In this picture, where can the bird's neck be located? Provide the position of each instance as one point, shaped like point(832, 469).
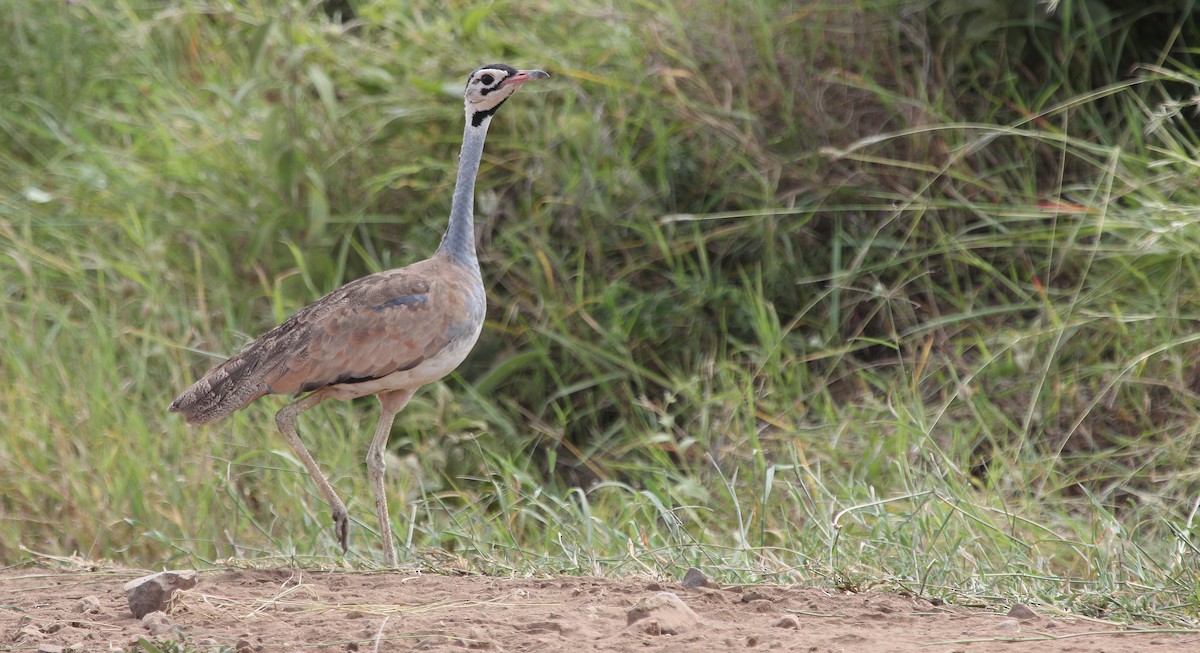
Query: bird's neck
point(459, 242)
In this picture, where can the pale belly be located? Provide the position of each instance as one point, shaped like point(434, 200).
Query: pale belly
point(430, 370)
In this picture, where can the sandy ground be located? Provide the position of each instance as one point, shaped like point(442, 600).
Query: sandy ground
point(287, 610)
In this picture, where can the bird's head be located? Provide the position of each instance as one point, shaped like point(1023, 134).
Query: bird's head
point(489, 86)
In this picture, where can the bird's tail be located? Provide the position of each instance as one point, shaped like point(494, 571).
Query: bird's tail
point(225, 389)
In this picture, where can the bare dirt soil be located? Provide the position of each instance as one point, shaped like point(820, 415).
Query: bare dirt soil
point(286, 610)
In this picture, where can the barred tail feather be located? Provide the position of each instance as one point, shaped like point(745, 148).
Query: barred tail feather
point(222, 391)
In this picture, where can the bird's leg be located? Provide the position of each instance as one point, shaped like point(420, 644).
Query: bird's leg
point(390, 403)
point(285, 419)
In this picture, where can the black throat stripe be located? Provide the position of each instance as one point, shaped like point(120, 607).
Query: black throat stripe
point(478, 117)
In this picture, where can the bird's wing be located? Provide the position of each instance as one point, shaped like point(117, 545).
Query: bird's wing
point(368, 329)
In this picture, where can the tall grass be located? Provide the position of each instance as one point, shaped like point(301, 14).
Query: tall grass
point(846, 293)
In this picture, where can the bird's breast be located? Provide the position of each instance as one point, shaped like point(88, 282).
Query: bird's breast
point(452, 321)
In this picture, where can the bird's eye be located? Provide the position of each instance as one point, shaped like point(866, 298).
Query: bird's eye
point(487, 80)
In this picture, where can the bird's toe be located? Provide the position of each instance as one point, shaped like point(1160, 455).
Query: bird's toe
point(341, 527)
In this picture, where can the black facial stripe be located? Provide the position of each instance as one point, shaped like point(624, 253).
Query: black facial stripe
point(478, 117)
point(494, 87)
point(505, 71)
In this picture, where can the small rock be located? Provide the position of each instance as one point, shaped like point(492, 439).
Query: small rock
point(50, 648)
point(754, 596)
point(655, 587)
point(669, 612)
point(788, 622)
point(1009, 624)
point(751, 641)
point(712, 595)
point(158, 623)
point(87, 605)
point(207, 642)
point(243, 645)
point(1050, 623)
point(648, 627)
point(763, 605)
point(695, 578)
point(546, 627)
point(1022, 611)
point(475, 640)
point(153, 593)
point(426, 644)
point(54, 627)
point(27, 631)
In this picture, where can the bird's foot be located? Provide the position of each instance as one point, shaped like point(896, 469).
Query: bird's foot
point(341, 527)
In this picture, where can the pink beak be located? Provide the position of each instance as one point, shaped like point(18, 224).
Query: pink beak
point(523, 76)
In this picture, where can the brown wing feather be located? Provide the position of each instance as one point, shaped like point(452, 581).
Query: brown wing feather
point(367, 329)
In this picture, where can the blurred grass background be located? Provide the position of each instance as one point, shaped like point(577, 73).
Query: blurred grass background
point(860, 294)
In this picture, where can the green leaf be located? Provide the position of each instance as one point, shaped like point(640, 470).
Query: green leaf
point(472, 20)
point(318, 201)
point(324, 87)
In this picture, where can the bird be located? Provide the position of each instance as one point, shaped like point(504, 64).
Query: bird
point(385, 334)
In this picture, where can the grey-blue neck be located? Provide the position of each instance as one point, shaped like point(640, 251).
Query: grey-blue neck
point(459, 242)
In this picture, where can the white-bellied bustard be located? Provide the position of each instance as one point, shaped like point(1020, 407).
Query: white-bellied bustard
point(386, 334)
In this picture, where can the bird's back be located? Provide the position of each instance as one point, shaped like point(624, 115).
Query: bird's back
point(398, 328)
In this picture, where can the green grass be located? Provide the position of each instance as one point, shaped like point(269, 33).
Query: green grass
point(852, 294)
